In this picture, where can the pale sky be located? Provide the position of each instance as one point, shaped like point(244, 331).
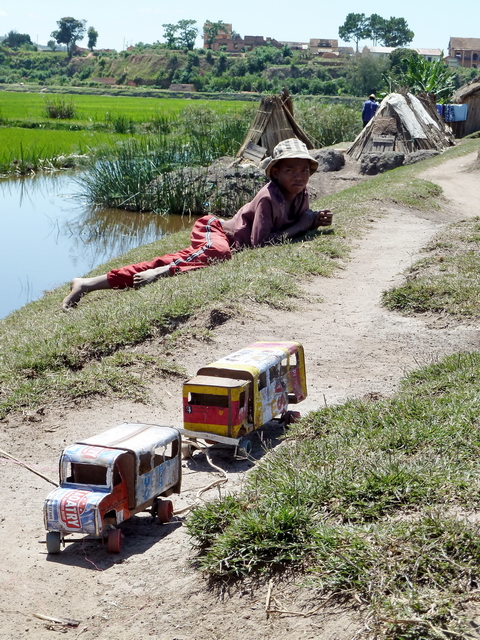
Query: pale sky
point(121, 23)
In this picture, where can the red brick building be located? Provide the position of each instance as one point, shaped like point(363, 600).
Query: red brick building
point(233, 43)
point(466, 51)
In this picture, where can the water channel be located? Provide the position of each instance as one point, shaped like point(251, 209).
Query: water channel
point(49, 234)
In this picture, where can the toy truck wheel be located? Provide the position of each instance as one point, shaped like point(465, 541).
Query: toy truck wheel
point(187, 450)
point(114, 541)
point(164, 511)
point(53, 542)
point(289, 417)
point(244, 447)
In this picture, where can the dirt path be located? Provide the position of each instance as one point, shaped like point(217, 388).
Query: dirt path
point(354, 347)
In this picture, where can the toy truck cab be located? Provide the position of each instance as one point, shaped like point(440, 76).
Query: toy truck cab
point(106, 479)
point(239, 393)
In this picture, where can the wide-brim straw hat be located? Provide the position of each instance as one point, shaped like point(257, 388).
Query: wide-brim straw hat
point(291, 148)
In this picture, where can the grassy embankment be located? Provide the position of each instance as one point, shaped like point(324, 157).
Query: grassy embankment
point(45, 352)
point(377, 502)
point(30, 140)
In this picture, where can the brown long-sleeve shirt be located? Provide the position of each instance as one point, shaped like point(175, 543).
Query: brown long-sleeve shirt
point(263, 220)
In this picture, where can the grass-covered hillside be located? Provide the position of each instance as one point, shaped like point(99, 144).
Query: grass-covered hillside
point(263, 69)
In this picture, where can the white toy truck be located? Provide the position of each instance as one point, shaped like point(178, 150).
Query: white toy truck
point(108, 478)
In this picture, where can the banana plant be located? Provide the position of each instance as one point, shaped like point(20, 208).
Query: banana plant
point(422, 76)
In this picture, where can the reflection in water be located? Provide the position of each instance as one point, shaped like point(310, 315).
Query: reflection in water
point(49, 235)
point(111, 232)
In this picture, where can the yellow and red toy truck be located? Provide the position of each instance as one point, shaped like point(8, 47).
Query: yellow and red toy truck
point(106, 479)
point(237, 394)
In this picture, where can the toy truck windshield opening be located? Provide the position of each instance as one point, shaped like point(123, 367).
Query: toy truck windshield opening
point(90, 474)
point(211, 400)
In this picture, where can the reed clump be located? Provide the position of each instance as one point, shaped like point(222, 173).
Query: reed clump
point(148, 173)
point(60, 107)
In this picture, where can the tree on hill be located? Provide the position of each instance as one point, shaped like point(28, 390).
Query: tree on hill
point(188, 33)
point(14, 40)
point(377, 28)
point(365, 74)
point(396, 33)
point(69, 32)
point(393, 32)
point(92, 34)
point(356, 27)
point(170, 34)
point(211, 31)
point(399, 60)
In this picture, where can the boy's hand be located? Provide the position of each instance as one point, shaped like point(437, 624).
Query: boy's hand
point(323, 219)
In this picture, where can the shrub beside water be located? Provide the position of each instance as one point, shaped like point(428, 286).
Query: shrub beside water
point(129, 176)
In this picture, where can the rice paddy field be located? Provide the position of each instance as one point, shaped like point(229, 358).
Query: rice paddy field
point(21, 149)
point(42, 131)
point(92, 108)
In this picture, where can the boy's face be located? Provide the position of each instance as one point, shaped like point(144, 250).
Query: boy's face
point(291, 175)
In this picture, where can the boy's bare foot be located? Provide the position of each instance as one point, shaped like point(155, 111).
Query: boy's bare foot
point(77, 290)
point(80, 286)
point(150, 275)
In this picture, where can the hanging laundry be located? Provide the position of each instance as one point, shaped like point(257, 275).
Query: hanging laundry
point(455, 112)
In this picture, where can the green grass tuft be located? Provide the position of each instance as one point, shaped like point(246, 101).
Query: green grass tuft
point(369, 498)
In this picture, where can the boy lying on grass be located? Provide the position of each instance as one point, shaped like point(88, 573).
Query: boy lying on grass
point(280, 210)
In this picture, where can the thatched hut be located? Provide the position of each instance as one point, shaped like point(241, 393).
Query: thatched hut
point(468, 94)
point(273, 123)
point(404, 123)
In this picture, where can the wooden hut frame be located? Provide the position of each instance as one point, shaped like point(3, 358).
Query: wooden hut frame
point(403, 123)
point(468, 94)
point(273, 123)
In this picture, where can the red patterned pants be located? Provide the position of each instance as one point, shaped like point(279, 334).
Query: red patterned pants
point(208, 244)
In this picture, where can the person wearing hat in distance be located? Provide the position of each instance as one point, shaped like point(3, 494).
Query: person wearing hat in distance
point(279, 211)
point(370, 106)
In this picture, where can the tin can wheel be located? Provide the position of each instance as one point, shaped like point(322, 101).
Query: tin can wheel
point(114, 541)
point(187, 450)
point(244, 447)
point(289, 417)
point(53, 541)
point(164, 511)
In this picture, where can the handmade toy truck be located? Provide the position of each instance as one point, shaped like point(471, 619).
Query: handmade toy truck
point(237, 394)
point(108, 478)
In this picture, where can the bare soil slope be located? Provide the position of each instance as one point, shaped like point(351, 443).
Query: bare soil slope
point(354, 347)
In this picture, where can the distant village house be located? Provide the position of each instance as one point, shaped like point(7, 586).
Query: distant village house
point(466, 51)
point(430, 55)
point(320, 47)
point(226, 40)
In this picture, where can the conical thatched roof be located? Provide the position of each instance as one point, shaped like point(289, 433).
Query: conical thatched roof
point(273, 123)
point(403, 123)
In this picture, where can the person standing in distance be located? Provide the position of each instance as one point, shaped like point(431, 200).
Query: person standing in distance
point(370, 106)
